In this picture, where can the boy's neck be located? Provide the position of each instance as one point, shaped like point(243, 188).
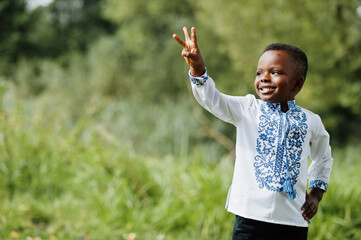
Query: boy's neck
point(284, 107)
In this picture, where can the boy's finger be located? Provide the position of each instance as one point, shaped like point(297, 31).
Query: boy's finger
point(180, 41)
point(188, 54)
point(309, 212)
point(186, 33)
point(185, 53)
point(194, 37)
point(305, 206)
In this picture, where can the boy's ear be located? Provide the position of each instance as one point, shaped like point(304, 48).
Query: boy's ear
point(299, 81)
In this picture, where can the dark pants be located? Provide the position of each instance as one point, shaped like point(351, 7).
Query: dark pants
point(248, 229)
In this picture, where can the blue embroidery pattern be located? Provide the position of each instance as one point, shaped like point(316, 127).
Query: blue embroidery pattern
point(201, 80)
point(274, 152)
point(318, 184)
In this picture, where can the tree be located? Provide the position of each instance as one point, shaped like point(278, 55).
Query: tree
point(14, 25)
point(327, 31)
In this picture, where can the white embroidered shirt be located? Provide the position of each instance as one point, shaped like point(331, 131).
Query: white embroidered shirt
point(272, 148)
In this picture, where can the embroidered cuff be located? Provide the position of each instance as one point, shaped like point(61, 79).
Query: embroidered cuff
point(198, 80)
point(318, 184)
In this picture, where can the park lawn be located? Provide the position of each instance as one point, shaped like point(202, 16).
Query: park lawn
point(100, 192)
point(76, 181)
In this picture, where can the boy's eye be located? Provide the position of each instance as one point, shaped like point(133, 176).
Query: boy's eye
point(275, 73)
point(258, 73)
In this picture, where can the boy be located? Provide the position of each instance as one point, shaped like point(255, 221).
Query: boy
point(274, 138)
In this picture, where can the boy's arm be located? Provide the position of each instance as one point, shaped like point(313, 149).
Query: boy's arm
point(228, 108)
point(319, 170)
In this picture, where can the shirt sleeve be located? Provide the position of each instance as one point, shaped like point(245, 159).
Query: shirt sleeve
point(320, 169)
point(227, 108)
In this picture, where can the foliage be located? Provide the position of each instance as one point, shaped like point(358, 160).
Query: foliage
point(61, 181)
point(77, 24)
point(77, 182)
point(327, 31)
point(14, 25)
point(100, 137)
point(124, 49)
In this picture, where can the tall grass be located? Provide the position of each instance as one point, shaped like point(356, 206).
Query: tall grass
point(339, 216)
point(128, 170)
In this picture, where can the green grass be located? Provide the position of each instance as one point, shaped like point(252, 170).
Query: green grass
point(340, 214)
point(79, 179)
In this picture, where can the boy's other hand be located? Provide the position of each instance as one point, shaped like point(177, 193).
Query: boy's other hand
point(310, 206)
point(191, 52)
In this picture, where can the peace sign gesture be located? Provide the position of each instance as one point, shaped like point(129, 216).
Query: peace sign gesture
point(191, 52)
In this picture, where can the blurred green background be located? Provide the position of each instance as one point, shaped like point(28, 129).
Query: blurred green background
point(100, 137)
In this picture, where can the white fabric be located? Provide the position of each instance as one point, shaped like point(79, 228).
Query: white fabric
point(259, 195)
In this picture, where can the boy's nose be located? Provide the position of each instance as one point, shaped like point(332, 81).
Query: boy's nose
point(266, 78)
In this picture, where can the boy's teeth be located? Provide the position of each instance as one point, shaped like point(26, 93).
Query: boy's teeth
point(266, 89)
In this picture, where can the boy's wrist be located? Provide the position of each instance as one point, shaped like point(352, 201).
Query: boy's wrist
point(317, 193)
point(200, 80)
point(197, 71)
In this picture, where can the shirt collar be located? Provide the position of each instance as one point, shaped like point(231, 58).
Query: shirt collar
point(277, 106)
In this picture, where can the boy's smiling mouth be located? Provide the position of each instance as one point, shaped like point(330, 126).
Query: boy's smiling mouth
point(266, 89)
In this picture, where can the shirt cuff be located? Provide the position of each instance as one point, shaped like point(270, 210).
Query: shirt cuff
point(201, 80)
point(318, 184)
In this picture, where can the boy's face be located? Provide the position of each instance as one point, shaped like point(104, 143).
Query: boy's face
point(277, 80)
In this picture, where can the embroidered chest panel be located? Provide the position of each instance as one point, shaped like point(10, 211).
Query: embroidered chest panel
point(279, 146)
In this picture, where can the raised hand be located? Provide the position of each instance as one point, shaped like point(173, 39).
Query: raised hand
point(191, 52)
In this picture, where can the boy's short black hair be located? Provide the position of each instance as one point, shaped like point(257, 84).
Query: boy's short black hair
point(297, 54)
